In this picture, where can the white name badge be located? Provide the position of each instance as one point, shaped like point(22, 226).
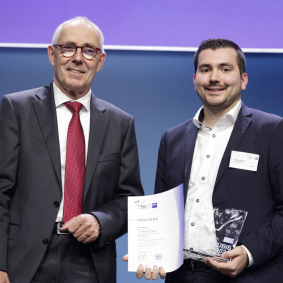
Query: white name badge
point(244, 160)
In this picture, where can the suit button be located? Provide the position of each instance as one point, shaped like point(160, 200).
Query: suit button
point(45, 241)
point(56, 204)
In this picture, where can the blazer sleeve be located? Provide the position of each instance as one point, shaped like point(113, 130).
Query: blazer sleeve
point(160, 179)
point(267, 242)
point(9, 159)
point(113, 216)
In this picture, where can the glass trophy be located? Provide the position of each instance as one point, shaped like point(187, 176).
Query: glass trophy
point(215, 232)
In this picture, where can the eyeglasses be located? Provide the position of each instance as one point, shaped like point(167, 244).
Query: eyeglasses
point(69, 50)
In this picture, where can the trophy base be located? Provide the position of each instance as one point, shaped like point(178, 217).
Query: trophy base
point(201, 256)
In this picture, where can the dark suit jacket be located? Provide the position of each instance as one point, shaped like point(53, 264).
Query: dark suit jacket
point(30, 180)
point(260, 193)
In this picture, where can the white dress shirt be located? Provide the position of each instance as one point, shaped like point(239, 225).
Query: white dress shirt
point(64, 116)
point(209, 149)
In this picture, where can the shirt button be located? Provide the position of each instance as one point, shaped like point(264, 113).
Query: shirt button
point(193, 223)
point(45, 241)
point(203, 178)
point(56, 204)
point(213, 135)
point(207, 156)
point(197, 200)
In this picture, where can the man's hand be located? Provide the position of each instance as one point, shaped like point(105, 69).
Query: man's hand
point(85, 228)
point(4, 277)
point(148, 274)
point(232, 268)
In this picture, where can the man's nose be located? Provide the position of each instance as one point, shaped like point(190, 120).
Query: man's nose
point(78, 57)
point(214, 76)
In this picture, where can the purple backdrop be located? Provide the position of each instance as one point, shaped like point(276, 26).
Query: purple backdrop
point(250, 23)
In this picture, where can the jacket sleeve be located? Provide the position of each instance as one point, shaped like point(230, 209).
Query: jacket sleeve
point(9, 159)
point(113, 215)
point(160, 179)
point(267, 242)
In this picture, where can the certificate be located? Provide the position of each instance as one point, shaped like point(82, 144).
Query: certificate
point(156, 230)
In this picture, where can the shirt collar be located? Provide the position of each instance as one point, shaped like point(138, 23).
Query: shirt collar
point(198, 117)
point(61, 98)
point(232, 115)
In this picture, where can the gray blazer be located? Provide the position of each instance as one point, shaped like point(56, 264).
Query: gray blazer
point(30, 180)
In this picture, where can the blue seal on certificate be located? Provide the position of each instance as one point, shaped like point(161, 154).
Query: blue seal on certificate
point(158, 256)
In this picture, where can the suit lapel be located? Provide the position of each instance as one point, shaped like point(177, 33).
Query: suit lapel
point(98, 127)
point(46, 114)
point(238, 132)
point(191, 136)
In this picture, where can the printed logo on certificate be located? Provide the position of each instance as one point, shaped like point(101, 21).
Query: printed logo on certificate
point(156, 230)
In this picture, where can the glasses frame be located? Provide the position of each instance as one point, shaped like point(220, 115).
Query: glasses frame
point(61, 46)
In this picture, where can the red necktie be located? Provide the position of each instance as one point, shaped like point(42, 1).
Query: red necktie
point(75, 165)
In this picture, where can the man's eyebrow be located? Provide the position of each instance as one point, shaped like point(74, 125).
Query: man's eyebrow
point(70, 42)
point(204, 65)
point(227, 64)
point(221, 65)
point(86, 44)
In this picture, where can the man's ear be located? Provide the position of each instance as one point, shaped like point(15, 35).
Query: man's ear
point(244, 81)
point(101, 61)
point(195, 80)
point(51, 54)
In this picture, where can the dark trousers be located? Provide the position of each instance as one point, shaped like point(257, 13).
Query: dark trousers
point(186, 274)
point(66, 261)
point(206, 276)
point(269, 273)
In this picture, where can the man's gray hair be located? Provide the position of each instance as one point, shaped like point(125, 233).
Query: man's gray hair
point(78, 20)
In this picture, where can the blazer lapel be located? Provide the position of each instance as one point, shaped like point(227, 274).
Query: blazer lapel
point(98, 127)
point(46, 114)
point(191, 136)
point(238, 132)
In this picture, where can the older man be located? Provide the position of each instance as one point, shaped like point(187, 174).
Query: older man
point(199, 153)
point(68, 161)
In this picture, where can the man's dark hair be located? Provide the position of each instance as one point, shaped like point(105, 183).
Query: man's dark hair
point(217, 43)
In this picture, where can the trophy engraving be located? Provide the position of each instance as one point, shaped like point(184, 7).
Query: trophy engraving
point(216, 232)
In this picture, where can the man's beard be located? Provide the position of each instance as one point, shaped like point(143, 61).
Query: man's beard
point(219, 107)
